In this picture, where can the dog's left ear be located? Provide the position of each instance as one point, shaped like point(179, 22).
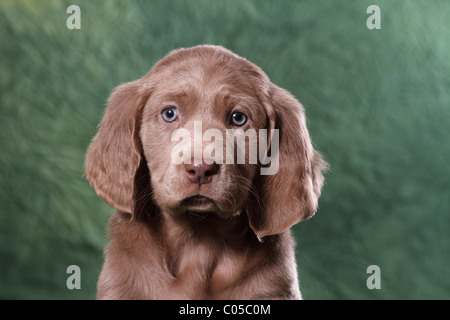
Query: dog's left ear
point(291, 194)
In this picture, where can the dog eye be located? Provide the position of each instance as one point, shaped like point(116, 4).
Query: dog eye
point(170, 114)
point(238, 118)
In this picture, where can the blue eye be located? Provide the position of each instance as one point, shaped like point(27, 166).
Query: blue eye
point(170, 114)
point(238, 118)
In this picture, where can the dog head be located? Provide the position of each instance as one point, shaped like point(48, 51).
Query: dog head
point(195, 135)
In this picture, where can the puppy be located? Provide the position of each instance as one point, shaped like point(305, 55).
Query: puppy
point(208, 165)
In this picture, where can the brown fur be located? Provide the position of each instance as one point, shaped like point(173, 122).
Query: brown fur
point(237, 245)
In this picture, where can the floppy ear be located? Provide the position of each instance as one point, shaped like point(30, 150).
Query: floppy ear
point(290, 195)
point(114, 155)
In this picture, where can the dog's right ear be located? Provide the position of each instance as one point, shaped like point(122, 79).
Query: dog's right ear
point(114, 155)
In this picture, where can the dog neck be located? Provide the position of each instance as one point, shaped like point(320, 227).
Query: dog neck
point(200, 248)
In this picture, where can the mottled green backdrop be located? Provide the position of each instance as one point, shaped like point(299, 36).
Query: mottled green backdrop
point(378, 108)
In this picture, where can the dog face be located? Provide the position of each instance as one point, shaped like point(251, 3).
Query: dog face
point(171, 139)
point(195, 96)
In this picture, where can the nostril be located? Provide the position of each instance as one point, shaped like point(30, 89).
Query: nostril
point(212, 170)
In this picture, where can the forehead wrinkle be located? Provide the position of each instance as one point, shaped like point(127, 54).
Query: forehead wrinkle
point(179, 87)
point(179, 77)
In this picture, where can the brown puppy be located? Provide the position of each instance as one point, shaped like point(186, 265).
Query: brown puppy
point(192, 222)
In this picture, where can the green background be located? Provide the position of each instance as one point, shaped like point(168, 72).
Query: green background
point(378, 108)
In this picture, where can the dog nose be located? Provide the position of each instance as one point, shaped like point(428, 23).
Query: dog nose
point(201, 173)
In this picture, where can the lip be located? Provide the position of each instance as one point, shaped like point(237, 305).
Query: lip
point(197, 202)
point(200, 206)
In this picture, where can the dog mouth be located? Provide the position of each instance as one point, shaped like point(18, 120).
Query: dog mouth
point(201, 207)
point(199, 204)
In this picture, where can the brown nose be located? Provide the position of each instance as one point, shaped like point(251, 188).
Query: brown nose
point(201, 173)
